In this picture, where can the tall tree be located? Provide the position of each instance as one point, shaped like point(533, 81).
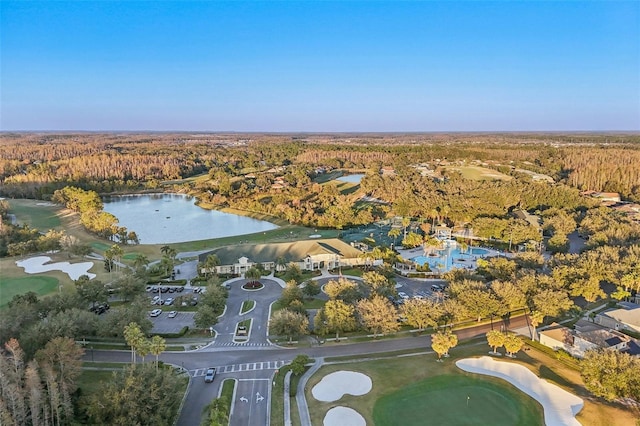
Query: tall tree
point(512, 344)
point(495, 339)
point(378, 284)
point(378, 315)
point(92, 291)
point(611, 374)
point(288, 323)
point(441, 342)
point(339, 317)
point(135, 338)
point(342, 289)
point(421, 313)
point(158, 345)
point(119, 402)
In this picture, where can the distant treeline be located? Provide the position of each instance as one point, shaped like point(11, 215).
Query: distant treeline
point(35, 165)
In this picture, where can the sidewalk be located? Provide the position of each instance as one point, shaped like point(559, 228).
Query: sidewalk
point(301, 400)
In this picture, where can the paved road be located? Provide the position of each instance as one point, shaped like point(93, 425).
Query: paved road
point(253, 363)
point(227, 323)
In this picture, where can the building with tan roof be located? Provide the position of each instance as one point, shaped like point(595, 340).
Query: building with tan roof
point(309, 255)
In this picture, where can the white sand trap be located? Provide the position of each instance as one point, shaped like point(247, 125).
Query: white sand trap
point(343, 416)
point(333, 386)
point(560, 406)
point(38, 264)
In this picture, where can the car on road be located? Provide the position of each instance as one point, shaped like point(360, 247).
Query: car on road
point(403, 295)
point(211, 372)
point(169, 301)
point(155, 313)
point(173, 314)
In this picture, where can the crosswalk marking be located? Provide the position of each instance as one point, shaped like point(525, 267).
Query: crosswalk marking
point(241, 344)
point(267, 365)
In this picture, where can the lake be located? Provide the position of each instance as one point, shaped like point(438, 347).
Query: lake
point(351, 178)
point(174, 218)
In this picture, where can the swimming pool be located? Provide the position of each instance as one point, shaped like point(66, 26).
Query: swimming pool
point(451, 257)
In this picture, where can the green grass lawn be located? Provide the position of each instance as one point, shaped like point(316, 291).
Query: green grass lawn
point(480, 173)
point(247, 305)
point(442, 400)
point(36, 216)
point(39, 284)
point(419, 390)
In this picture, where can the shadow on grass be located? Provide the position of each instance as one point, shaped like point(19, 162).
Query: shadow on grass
point(552, 376)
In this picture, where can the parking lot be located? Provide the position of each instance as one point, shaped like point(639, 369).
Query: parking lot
point(181, 297)
point(163, 324)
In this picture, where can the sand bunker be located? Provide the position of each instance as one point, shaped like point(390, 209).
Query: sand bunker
point(333, 386)
point(39, 264)
point(560, 406)
point(343, 416)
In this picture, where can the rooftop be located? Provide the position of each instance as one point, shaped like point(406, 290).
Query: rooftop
point(291, 252)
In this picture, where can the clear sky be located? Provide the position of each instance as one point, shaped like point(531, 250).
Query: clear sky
point(320, 66)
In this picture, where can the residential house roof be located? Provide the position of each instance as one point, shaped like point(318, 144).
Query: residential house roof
point(559, 333)
point(628, 314)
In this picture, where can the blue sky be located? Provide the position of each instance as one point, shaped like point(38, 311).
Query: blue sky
point(320, 66)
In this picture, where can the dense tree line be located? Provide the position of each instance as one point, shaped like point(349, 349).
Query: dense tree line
point(92, 216)
point(39, 390)
point(35, 165)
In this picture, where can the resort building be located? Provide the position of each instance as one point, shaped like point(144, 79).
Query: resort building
point(309, 255)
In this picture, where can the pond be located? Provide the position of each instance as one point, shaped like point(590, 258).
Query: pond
point(351, 178)
point(175, 218)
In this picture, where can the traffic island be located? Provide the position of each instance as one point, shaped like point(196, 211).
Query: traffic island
point(253, 286)
point(243, 331)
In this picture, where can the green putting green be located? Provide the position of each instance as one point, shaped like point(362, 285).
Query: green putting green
point(458, 400)
point(40, 285)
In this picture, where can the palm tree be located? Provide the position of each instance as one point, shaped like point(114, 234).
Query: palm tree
point(140, 261)
point(394, 233)
point(406, 221)
point(210, 264)
point(281, 263)
point(158, 345)
point(134, 338)
point(431, 243)
point(463, 247)
point(252, 274)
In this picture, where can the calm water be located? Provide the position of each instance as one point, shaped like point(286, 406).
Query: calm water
point(351, 178)
point(451, 257)
point(174, 218)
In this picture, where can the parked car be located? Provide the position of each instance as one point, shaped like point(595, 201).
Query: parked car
point(180, 289)
point(211, 373)
point(155, 313)
point(169, 301)
point(172, 314)
point(436, 288)
point(403, 295)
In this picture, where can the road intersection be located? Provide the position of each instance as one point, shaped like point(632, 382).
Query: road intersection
point(254, 368)
point(253, 360)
